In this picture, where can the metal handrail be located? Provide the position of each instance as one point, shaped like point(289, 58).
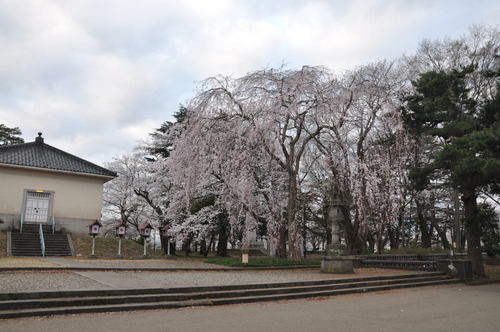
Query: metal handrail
point(53, 224)
point(21, 224)
point(42, 241)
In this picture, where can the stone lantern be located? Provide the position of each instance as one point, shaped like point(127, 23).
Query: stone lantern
point(335, 261)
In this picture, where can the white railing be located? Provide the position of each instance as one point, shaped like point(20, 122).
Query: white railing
point(42, 241)
point(21, 223)
point(53, 224)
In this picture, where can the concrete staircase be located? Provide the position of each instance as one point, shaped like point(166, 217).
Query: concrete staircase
point(27, 243)
point(30, 304)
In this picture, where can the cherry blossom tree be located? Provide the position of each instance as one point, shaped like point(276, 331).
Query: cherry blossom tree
point(278, 110)
point(120, 203)
point(277, 148)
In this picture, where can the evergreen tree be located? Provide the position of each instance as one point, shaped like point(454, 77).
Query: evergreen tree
point(10, 135)
point(467, 138)
point(162, 140)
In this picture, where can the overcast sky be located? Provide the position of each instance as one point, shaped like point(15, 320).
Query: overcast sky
point(97, 76)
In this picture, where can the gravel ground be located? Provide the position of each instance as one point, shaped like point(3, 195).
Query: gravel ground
point(31, 281)
point(45, 281)
point(10, 261)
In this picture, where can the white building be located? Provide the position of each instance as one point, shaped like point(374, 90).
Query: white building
point(42, 184)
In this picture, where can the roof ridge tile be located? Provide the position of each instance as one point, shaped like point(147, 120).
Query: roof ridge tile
point(45, 156)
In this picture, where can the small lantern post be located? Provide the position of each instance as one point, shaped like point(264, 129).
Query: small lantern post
point(120, 228)
point(145, 231)
point(94, 229)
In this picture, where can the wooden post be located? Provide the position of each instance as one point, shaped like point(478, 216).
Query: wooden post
point(120, 247)
point(93, 247)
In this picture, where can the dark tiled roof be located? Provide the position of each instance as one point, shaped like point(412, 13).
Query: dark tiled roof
point(40, 155)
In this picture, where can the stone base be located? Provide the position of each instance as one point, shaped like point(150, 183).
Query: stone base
point(255, 249)
point(337, 264)
point(457, 268)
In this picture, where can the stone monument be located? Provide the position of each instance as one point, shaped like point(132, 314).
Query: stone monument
point(251, 245)
point(334, 261)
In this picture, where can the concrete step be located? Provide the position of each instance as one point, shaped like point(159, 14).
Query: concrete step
point(28, 244)
point(34, 228)
point(45, 303)
point(32, 249)
point(198, 289)
point(23, 241)
point(25, 245)
point(101, 300)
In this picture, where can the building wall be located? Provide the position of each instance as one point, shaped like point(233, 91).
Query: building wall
point(76, 199)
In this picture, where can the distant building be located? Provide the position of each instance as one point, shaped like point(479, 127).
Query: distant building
point(42, 184)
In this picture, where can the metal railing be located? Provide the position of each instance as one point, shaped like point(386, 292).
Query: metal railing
point(42, 241)
point(21, 223)
point(403, 264)
point(53, 221)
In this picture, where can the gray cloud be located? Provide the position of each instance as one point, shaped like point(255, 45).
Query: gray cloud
point(97, 76)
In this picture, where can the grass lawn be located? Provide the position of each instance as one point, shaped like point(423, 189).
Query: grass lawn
point(261, 261)
point(107, 247)
point(24, 262)
point(493, 271)
point(3, 244)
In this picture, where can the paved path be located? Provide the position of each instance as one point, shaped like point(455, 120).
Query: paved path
point(46, 281)
point(126, 263)
point(443, 308)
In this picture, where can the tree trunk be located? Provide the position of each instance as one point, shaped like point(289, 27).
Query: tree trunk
point(207, 248)
point(281, 249)
point(294, 252)
point(457, 239)
point(371, 244)
point(186, 246)
point(395, 233)
point(422, 225)
point(352, 237)
point(223, 235)
point(203, 247)
point(442, 235)
point(172, 247)
point(164, 243)
point(473, 232)
point(380, 240)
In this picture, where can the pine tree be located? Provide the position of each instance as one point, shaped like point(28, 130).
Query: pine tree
point(10, 135)
point(467, 138)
